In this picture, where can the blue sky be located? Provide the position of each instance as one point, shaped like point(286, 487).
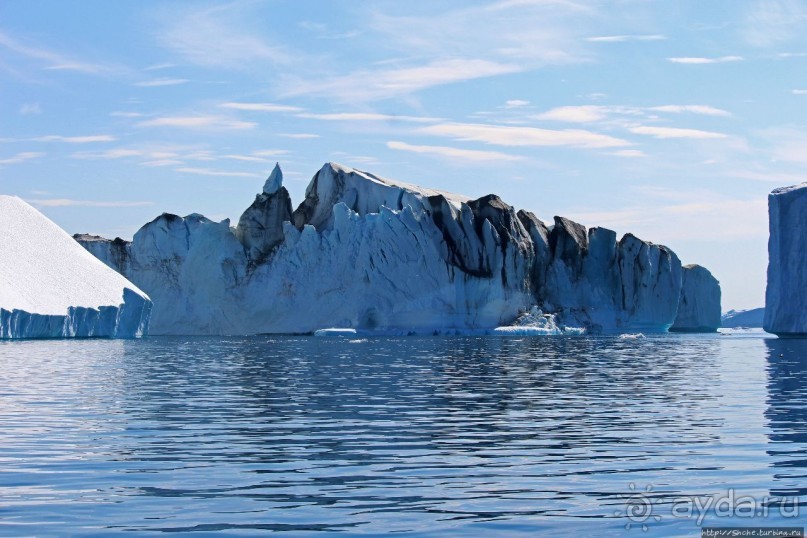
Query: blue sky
point(670, 119)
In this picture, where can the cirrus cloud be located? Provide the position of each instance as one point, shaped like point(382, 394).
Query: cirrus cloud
point(454, 153)
point(674, 132)
point(260, 107)
point(75, 139)
point(195, 122)
point(213, 172)
point(697, 60)
point(67, 202)
point(367, 116)
point(523, 136)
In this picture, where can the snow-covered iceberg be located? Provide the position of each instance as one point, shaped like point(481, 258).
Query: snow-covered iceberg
point(699, 309)
point(367, 253)
point(786, 295)
point(50, 287)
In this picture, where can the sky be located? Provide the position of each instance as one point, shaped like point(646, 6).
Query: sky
point(669, 119)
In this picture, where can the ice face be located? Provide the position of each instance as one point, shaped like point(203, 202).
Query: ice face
point(699, 310)
point(786, 295)
point(372, 254)
point(50, 288)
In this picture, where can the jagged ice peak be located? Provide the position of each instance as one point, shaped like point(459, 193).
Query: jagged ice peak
point(275, 180)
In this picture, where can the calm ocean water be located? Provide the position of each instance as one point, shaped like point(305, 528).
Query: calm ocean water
point(555, 436)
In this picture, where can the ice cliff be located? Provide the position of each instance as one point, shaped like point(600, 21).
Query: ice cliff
point(50, 287)
point(368, 253)
point(786, 295)
point(699, 308)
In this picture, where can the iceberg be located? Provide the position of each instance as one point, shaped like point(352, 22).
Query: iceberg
point(380, 256)
point(50, 287)
point(746, 319)
point(786, 294)
point(536, 323)
point(699, 308)
point(335, 332)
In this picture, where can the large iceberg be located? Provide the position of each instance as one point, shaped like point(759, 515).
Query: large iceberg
point(786, 295)
point(367, 253)
point(50, 287)
point(699, 309)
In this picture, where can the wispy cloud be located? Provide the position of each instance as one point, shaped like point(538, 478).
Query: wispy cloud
point(161, 162)
point(196, 122)
point(786, 144)
point(534, 33)
point(623, 38)
point(323, 31)
point(245, 158)
point(30, 108)
point(200, 155)
point(153, 156)
point(75, 139)
point(675, 132)
point(437, 47)
point(212, 172)
point(270, 152)
point(575, 114)
point(157, 67)
point(602, 113)
point(777, 178)
point(799, 92)
point(454, 153)
point(21, 157)
point(363, 160)
point(680, 215)
point(770, 22)
point(523, 136)
point(261, 107)
point(368, 116)
point(299, 136)
point(516, 103)
point(693, 109)
point(161, 82)
point(118, 153)
point(402, 81)
point(697, 60)
point(76, 66)
point(572, 5)
point(67, 202)
point(52, 59)
point(119, 114)
point(628, 153)
point(219, 36)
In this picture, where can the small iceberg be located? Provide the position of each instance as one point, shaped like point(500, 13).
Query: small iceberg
point(525, 331)
point(336, 332)
point(536, 323)
point(631, 336)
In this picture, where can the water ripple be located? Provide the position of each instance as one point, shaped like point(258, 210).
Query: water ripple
point(419, 435)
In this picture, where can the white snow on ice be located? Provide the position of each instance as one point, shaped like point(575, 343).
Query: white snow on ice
point(44, 271)
point(51, 287)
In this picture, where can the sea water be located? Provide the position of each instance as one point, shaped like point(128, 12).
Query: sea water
point(555, 436)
